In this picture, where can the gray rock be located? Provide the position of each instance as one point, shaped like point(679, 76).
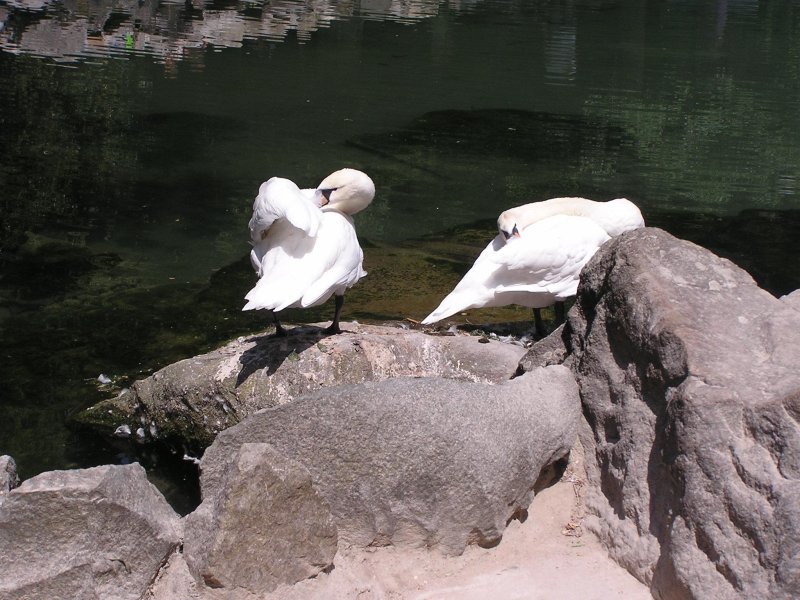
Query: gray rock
point(792, 299)
point(691, 391)
point(551, 350)
point(424, 462)
point(194, 399)
point(263, 526)
point(8, 474)
point(91, 533)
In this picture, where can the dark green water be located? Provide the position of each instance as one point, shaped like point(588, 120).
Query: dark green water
point(133, 138)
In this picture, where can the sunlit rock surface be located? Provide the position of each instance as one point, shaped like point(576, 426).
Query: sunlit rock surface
point(691, 393)
point(194, 399)
point(264, 525)
point(88, 533)
point(422, 462)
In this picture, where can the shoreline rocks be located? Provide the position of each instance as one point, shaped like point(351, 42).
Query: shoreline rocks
point(677, 373)
point(266, 505)
point(691, 396)
point(420, 462)
point(88, 533)
point(191, 401)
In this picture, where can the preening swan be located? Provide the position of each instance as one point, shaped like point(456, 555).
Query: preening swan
point(536, 267)
point(538, 255)
point(304, 242)
point(615, 216)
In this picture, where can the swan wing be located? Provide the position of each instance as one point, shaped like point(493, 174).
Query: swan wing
point(541, 266)
point(548, 257)
point(338, 259)
point(301, 271)
point(280, 198)
point(474, 290)
point(281, 260)
point(618, 216)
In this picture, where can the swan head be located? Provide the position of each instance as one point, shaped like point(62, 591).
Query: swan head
point(346, 190)
point(507, 225)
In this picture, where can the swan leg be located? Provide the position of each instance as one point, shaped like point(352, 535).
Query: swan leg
point(537, 321)
point(561, 313)
point(279, 330)
point(334, 326)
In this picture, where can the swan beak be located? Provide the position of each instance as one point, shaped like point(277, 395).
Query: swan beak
point(514, 233)
point(325, 196)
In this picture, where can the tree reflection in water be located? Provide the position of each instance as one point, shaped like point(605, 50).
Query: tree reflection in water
point(71, 30)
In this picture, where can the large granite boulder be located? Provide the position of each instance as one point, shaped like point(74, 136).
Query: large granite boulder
point(194, 399)
point(690, 382)
point(417, 461)
point(264, 525)
point(91, 533)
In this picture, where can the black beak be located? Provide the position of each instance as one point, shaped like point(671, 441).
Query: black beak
point(327, 195)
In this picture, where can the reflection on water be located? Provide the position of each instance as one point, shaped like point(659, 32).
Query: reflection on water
point(68, 30)
point(127, 184)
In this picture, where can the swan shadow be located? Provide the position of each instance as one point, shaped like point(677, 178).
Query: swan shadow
point(272, 350)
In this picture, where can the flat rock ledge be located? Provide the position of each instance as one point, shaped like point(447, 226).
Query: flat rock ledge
point(191, 401)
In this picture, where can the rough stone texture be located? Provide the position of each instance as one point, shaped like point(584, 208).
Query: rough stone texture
point(90, 533)
point(263, 526)
point(792, 300)
point(8, 474)
point(424, 462)
point(690, 382)
point(551, 350)
point(194, 399)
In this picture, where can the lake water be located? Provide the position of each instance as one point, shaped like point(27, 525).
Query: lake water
point(135, 135)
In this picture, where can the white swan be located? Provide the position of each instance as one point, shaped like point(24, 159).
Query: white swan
point(305, 247)
point(615, 216)
point(537, 258)
point(535, 268)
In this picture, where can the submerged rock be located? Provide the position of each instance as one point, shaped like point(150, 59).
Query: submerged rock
point(194, 399)
point(416, 461)
point(88, 533)
point(691, 394)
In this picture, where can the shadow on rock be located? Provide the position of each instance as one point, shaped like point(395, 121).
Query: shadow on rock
point(271, 351)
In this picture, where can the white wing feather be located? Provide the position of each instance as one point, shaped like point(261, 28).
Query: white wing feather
point(280, 198)
point(302, 271)
point(304, 254)
point(536, 270)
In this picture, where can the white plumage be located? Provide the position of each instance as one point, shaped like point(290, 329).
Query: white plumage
point(615, 216)
point(537, 258)
point(305, 247)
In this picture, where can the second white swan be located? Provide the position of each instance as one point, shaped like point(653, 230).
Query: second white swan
point(537, 257)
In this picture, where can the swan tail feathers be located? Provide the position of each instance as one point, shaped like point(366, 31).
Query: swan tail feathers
point(267, 296)
point(452, 304)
